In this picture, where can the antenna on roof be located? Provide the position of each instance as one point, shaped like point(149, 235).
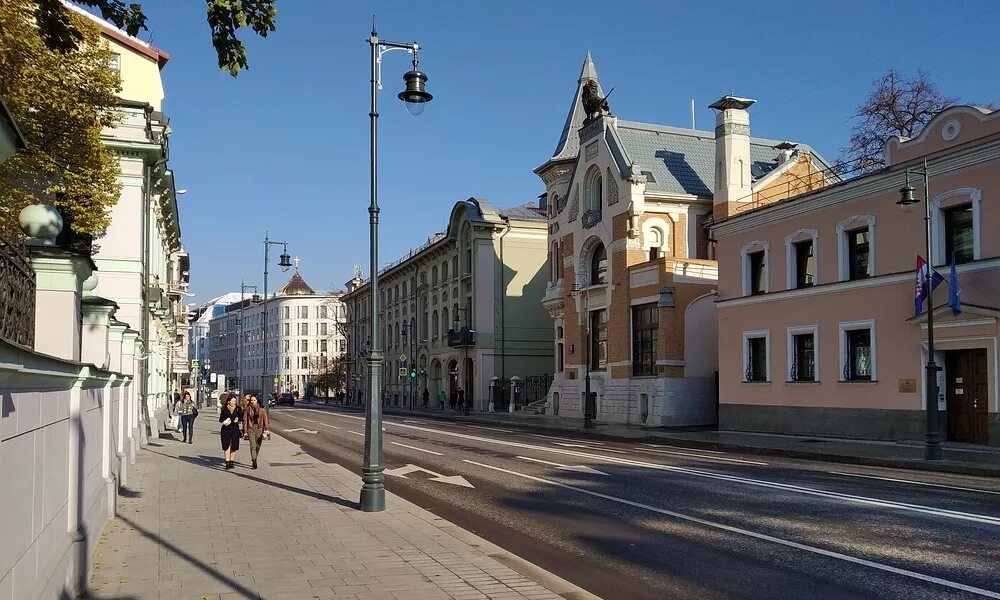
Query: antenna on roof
point(692, 114)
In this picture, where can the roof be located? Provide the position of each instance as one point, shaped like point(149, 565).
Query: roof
point(145, 48)
point(682, 161)
point(528, 211)
point(296, 286)
point(569, 141)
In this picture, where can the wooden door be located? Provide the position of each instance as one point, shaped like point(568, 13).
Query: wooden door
point(967, 395)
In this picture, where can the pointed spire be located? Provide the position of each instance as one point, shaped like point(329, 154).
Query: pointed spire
point(589, 71)
point(569, 141)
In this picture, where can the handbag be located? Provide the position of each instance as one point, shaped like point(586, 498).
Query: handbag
point(175, 422)
point(195, 413)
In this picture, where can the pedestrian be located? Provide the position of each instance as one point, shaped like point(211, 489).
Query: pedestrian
point(442, 397)
point(230, 416)
point(255, 429)
point(427, 397)
point(461, 401)
point(453, 400)
point(187, 411)
point(245, 402)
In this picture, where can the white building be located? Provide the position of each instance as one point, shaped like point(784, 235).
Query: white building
point(304, 328)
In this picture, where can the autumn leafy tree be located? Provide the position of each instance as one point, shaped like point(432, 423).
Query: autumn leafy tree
point(328, 373)
point(225, 18)
point(60, 101)
point(898, 105)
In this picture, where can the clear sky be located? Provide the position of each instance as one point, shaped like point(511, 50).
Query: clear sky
point(284, 146)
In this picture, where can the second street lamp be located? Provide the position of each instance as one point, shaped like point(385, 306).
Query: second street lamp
point(415, 97)
point(933, 443)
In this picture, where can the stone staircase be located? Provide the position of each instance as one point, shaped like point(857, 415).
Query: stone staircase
point(535, 408)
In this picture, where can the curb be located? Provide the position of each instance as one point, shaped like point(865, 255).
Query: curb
point(950, 467)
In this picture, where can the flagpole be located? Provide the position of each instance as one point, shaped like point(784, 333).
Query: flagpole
point(933, 435)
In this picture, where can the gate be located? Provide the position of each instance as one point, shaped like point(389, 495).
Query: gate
point(536, 387)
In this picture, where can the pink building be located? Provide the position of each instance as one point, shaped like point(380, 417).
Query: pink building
point(817, 332)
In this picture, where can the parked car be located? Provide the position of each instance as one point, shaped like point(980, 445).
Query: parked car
point(286, 398)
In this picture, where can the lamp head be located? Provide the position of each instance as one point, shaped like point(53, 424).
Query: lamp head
point(415, 95)
point(285, 261)
point(906, 193)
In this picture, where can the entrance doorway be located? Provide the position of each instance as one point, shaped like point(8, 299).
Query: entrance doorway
point(967, 395)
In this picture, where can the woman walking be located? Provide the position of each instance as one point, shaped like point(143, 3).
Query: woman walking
point(188, 411)
point(255, 428)
point(230, 416)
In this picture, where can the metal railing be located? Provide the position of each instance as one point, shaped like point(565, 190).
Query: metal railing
point(17, 295)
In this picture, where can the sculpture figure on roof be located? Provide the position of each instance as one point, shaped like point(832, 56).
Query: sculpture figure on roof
point(593, 103)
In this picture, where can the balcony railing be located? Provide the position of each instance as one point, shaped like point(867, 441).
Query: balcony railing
point(17, 295)
point(461, 338)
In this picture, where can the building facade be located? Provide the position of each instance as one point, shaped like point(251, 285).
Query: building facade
point(632, 274)
point(305, 330)
point(461, 312)
point(817, 325)
point(142, 266)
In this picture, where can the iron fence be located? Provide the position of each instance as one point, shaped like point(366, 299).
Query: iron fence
point(17, 295)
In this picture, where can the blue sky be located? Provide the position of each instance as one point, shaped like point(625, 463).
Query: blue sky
point(284, 146)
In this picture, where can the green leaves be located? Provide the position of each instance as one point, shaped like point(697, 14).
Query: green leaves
point(225, 19)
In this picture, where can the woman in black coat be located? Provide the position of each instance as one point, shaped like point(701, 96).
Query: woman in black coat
point(231, 416)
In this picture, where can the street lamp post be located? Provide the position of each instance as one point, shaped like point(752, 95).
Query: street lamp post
point(933, 443)
point(588, 403)
point(415, 96)
point(285, 262)
point(465, 350)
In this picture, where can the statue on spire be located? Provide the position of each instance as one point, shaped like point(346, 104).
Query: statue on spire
point(595, 105)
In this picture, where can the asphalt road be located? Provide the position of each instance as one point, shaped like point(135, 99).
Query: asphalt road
point(629, 520)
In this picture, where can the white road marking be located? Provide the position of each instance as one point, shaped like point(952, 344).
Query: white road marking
point(588, 447)
point(940, 485)
point(491, 428)
point(577, 468)
point(721, 458)
point(415, 448)
point(300, 429)
point(654, 446)
point(852, 498)
point(356, 433)
point(403, 471)
point(753, 534)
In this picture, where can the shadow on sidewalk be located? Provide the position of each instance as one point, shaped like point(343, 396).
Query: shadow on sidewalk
point(237, 587)
point(215, 463)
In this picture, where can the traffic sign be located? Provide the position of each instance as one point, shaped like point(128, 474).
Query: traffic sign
point(276, 380)
point(194, 363)
point(402, 357)
point(402, 372)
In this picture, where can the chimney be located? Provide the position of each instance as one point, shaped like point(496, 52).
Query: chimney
point(732, 155)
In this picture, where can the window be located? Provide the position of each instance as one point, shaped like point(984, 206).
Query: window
point(857, 350)
point(757, 272)
point(322, 312)
point(559, 357)
point(303, 345)
point(288, 329)
point(303, 362)
point(645, 324)
point(303, 328)
point(288, 345)
point(593, 190)
point(857, 254)
point(599, 339)
point(323, 345)
point(405, 294)
point(435, 325)
point(434, 276)
point(655, 243)
point(802, 354)
point(805, 264)
point(115, 62)
point(303, 312)
point(323, 329)
point(599, 265)
point(288, 363)
point(958, 234)
point(454, 268)
point(445, 322)
point(286, 311)
point(444, 271)
point(555, 258)
point(756, 348)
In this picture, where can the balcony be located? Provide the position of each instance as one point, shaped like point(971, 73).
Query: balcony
point(461, 338)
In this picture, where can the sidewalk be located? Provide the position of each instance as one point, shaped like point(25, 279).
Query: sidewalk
point(967, 459)
point(290, 530)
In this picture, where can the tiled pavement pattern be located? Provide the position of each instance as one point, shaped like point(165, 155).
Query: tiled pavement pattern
point(289, 531)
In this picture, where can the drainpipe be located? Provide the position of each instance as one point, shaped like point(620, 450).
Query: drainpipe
point(503, 306)
point(74, 497)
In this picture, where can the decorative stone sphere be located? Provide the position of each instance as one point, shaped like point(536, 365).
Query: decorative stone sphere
point(90, 283)
point(41, 222)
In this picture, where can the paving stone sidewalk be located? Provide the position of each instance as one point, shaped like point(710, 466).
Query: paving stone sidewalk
point(290, 530)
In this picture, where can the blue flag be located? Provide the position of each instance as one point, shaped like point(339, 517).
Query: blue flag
point(954, 292)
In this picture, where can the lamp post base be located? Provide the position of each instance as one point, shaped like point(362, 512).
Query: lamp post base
point(588, 423)
point(372, 492)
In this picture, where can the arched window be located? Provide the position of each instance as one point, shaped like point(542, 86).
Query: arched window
point(445, 323)
point(593, 190)
point(554, 260)
point(435, 325)
point(599, 265)
point(444, 271)
point(655, 242)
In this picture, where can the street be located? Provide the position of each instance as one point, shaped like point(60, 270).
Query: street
point(634, 520)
